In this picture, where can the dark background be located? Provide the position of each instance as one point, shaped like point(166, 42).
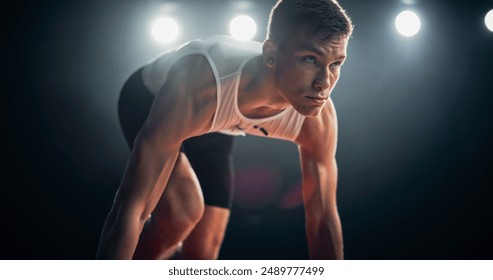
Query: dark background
point(415, 121)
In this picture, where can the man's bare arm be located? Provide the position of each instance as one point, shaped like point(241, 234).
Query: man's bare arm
point(317, 146)
point(183, 109)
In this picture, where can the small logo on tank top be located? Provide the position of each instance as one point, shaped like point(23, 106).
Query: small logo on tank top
point(261, 129)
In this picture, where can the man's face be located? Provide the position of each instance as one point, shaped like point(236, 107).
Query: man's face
point(307, 69)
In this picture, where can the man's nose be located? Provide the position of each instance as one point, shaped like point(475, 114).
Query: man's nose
point(322, 81)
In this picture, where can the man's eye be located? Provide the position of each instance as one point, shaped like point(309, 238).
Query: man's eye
point(335, 65)
point(310, 59)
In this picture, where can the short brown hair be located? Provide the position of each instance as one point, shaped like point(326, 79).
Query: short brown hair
point(324, 17)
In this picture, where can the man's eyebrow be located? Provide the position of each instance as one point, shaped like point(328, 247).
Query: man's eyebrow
point(307, 47)
point(341, 57)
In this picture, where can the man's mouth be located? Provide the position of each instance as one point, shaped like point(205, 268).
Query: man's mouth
point(317, 99)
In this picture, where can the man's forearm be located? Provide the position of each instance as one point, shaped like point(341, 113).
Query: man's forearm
point(325, 240)
point(119, 239)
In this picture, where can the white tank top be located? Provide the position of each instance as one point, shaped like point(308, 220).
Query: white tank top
point(227, 57)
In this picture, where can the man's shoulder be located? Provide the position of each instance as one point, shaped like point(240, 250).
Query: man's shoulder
point(194, 74)
point(322, 128)
point(189, 96)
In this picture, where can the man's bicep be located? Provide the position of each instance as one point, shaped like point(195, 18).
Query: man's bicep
point(160, 127)
point(172, 119)
point(184, 107)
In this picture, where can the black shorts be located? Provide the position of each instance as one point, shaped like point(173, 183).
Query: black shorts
point(211, 155)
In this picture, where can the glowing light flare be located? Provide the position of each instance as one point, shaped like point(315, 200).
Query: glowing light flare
point(256, 187)
point(292, 198)
point(243, 28)
point(165, 30)
point(488, 20)
point(407, 23)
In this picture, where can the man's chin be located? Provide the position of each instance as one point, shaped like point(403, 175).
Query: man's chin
point(309, 111)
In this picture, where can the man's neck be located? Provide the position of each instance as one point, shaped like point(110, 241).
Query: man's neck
point(257, 94)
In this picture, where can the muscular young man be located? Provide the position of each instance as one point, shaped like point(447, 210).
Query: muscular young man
point(216, 86)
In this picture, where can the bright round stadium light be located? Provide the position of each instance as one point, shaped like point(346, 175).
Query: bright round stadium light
point(165, 30)
point(407, 23)
point(243, 28)
point(488, 20)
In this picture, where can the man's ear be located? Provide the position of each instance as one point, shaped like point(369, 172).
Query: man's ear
point(269, 51)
